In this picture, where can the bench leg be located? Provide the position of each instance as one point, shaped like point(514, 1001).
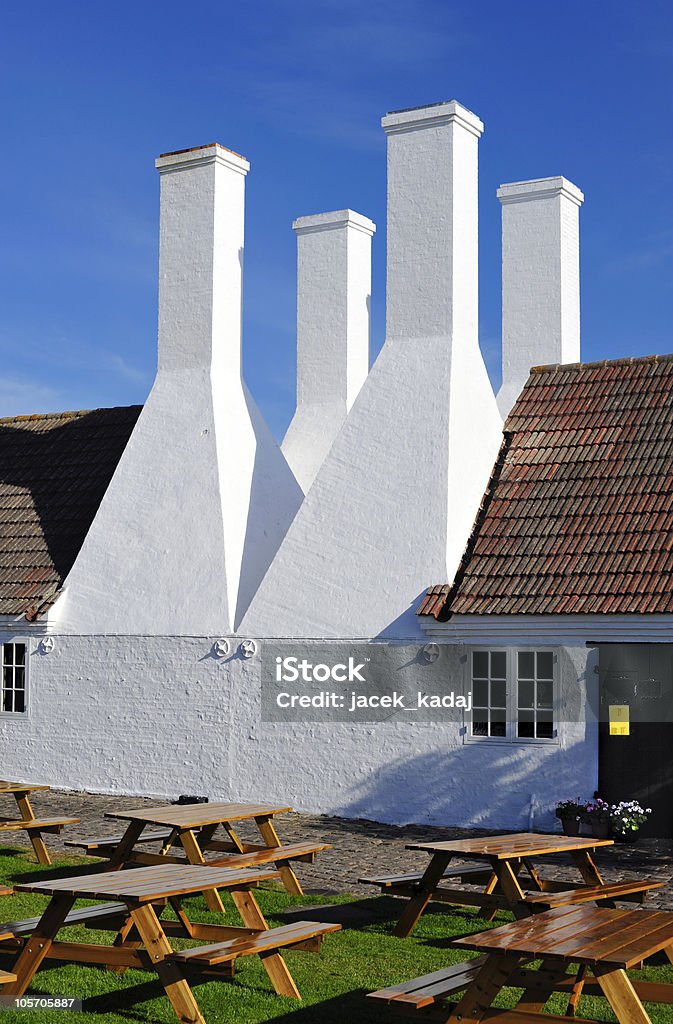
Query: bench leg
point(279, 975)
point(541, 985)
point(621, 995)
point(159, 948)
point(418, 903)
point(578, 985)
point(37, 842)
point(123, 852)
point(270, 837)
point(482, 991)
point(194, 856)
point(274, 965)
point(38, 945)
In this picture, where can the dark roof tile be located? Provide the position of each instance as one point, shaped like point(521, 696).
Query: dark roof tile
point(577, 517)
point(54, 471)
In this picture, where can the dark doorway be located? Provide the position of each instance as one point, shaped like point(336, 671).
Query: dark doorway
point(638, 766)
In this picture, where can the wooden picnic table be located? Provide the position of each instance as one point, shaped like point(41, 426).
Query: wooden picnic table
point(502, 858)
point(194, 827)
point(28, 822)
point(142, 938)
point(603, 942)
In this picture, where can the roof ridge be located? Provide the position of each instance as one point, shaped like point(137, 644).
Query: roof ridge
point(31, 417)
point(624, 361)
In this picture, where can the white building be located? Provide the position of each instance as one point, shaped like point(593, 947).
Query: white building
point(139, 549)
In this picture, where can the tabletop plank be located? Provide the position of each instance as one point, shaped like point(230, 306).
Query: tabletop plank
point(198, 815)
point(149, 883)
point(19, 787)
point(518, 844)
point(586, 934)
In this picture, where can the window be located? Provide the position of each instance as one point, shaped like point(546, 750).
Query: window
point(512, 695)
point(14, 678)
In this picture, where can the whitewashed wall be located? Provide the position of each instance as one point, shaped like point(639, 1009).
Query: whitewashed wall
point(162, 716)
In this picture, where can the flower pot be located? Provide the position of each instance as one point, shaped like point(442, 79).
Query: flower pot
point(600, 829)
point(571, 826)
point(626, 837)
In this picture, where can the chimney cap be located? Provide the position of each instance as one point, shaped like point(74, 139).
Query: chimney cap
point(540, 188)
point(416, 118)
point(331, 221)
point(213, 152)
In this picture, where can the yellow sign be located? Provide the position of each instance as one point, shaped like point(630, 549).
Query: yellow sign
point(619, 719)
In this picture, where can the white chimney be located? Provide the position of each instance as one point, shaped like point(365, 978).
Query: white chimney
point(540, 279)
point(202, 496)
point(201, 258)
point(333, 328)
point(432, 280)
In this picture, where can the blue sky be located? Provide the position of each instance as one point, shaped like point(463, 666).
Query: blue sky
point(93, 92)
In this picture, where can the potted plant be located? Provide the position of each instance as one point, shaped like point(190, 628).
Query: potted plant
point(597, 813)
point(569, 812)
point(626, 818)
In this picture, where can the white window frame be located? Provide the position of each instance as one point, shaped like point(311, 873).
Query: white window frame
point(512, 709)
point(15, 715)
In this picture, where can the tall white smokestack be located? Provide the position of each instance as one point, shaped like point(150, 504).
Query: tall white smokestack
point(432, 285)
point(202, 496)
point(540, 279)
point(334, 279)
point(201, 259)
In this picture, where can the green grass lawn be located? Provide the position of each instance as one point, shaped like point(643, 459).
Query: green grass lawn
point(362, 957)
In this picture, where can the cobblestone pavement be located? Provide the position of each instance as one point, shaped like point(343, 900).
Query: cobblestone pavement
point(360, 847)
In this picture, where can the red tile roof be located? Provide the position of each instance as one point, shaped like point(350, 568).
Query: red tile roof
point(54, 471)
point(578, 515)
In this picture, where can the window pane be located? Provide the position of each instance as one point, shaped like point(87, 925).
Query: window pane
point(7, 654)
point(7, 677)
point(19, 700)
point(545, 729)
point(498, 724)
point(7, 704)
point(545, 665)
point(526, 694)
point(498, 693)
point(480, 664)
point(526, 664)
point(526, 725)
point(545, 694)
point(480, 693)
point(498, 665)
point(19, 654)
point(480, 726)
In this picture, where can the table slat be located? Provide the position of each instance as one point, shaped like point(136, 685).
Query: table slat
point(197, 815)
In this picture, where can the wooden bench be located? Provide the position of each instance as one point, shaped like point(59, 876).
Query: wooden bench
point(634, 891)
point(306, 935)
point(84, 915)
point(36, 824)
point(92, 846)
point(271, 855)
point(430, 989)
point(476, 873)
point(429, 995)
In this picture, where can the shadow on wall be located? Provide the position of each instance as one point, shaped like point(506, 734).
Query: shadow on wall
point(275, 497)
point(54, 472)
point(406, 626)
point(480, 785)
